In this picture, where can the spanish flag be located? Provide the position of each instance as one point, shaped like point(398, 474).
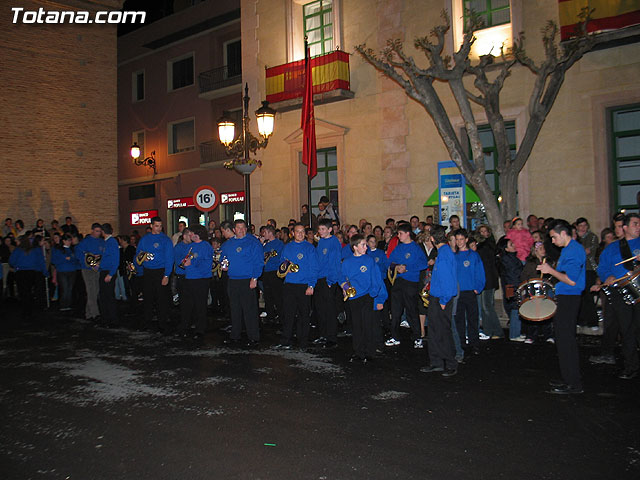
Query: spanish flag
point(308, 123)
point(608, 15)
point(330, 72)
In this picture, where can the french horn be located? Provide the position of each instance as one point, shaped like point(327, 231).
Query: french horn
point(92, 260)
point(287, 267)
point(144, 257)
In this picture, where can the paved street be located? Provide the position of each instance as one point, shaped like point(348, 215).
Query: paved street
point(81, 402)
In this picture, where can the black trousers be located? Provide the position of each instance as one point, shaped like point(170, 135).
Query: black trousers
point(627, 318)
point(323, 299)
point(295, 302)
point(155, 295)
point(466, 318)
point(588, 316)
point(363, 318)
point(107, 299)
point(26, 282)
point(66, 281)
point(404, 296)
point(243, 306)
point(442, 353)
point(564, 322)
point(193, 304)
point(272, 294)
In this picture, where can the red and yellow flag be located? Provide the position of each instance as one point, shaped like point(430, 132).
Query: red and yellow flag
point(308, 123)
point(608, 15)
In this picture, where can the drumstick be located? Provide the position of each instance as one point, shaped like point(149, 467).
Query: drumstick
point(544, 260)
point(624, 261)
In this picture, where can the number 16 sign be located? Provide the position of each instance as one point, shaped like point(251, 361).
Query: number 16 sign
point(206, 198)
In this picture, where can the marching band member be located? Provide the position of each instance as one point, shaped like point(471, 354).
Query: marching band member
point(28, 261)
point(107, 271)
point(197, 265)
point(272, 284)
point(298, 287)
point(365, 293)
point(242, 257)
point(328, 254)
point(89, 252)
point(180, 251)
point(381, 322)
point(154, 261)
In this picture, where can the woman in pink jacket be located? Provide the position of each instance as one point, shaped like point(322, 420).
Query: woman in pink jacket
point(521, 238)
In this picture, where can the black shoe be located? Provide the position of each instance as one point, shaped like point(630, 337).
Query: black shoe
point(557, 383)
point(475, 351)
point(431, 368)
point(628, 374)
point(566, 390)
point(230, 342)
point(253, 344)
point(198, 337)
point(329, 345)
point(450, 372)
point(320, 341)
point(357, 359)
point(282, 346)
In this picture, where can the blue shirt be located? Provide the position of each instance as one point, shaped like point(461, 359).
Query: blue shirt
point(162, 248)
point(274, 245)
point(111, 257)
point(470, 271)
point(572, 261)
point(180, 251)
point(612, 255)
point(89, 244)
point(363, 275)
point(201, 262)
point(346, 251)
point(329, 256)
point(412, 256)
point(381, 261)
point(444, 279)
point(34, 260)
point(245, 255)
point(64, 259)
point(302, 254)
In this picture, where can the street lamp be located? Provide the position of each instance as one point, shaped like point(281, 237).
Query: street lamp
point(150, 161)
point(246, 143)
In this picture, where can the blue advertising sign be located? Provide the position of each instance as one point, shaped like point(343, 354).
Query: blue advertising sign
point(452, 199)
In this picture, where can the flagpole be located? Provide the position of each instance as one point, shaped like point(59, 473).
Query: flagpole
point(310, 207)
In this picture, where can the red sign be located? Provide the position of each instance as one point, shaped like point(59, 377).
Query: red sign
point(232, 197)
point(183, 202)
point(143, 218)
point(206, 198)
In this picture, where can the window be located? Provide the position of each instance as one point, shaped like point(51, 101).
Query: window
point(492, 12)
point(491, 153)
point(180, 72)
point(181, 136)
point(233, 58)
point(318, 26)
point(138, 137)
point(137, 86)
point(142, 191)
point(325, 183)
point(625, 148)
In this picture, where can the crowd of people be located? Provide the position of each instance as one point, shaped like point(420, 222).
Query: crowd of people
point(363, 281)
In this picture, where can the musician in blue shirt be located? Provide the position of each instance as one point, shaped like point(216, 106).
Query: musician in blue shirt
point(67, 266)
point(89, 252)
point(271, 282)
point(197, 266)
point(180, 251)
point(107, 271)
point(328, 254)
point(298, 287)
point(570, 272)
point(28, 262)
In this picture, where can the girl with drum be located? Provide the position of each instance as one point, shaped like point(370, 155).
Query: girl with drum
point(544, 329)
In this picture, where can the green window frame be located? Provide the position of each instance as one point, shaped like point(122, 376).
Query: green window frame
point(491, 153)
point(318, 26)
point(624, 132)
point(326, 181)
point(493, 12)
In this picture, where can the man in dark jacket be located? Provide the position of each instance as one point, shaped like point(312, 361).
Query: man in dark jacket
point(487, 251)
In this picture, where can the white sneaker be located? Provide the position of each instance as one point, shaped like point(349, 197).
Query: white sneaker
point(392, 342)
point(551, 340)
point(418, 343)
point(521, 338)
point(404, 324)
point(263, 314)
point(483, 336)
point(528, 341)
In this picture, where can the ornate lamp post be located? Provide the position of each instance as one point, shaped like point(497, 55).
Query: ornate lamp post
point(246, 143)
point(150, 161)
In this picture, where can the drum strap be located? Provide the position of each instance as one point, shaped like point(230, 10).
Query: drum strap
point(625, 252)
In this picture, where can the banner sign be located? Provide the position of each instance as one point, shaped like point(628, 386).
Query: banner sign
point(183, 202)
point(452, 193)
point(143, 218)
point(232, 197)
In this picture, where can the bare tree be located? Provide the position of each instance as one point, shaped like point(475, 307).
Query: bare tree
point(489, 75)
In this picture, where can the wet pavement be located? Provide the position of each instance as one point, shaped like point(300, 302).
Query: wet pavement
point(84, 402)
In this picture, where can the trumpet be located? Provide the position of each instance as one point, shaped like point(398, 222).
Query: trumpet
point(424, 295)
point(130, 268)
point(269, 255)
point(188, 257)
point(144, 257)
point(216, 268)
point(92, 260)
point(287, 267)
point(349, 291)
point(392, 273)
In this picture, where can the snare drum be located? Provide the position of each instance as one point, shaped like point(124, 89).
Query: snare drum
point(536, 298)
point(629, 287)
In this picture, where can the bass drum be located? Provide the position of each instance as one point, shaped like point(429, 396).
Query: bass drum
point(536, 298)
point(629, 287)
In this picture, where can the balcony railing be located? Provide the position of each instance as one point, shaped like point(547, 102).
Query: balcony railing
point(212, 151)
point(219, 78)
point(331, 82)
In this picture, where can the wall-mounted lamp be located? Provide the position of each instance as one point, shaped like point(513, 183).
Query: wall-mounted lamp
point(150, 161)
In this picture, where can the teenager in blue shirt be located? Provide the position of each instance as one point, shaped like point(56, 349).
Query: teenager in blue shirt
point(381, 316)
point(298, 288)
point(444, 287)
point(107, 271)
point(92, 244)
point(28, 262)
point(570, 273)
point(67, 266)
point(360, 272)
point(197, 266)
point(180, 251)
point(328, 253)
point(272, 285)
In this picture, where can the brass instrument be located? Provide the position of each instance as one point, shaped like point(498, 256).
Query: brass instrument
point(392, 273)
point(144, 257)
point(349, 291)
point(188, 257)
point(130, 268)
point(287, 267)
point(216, 267)
point(269, 255)
point(224, 263)
point(424, 296)
point(92, 260)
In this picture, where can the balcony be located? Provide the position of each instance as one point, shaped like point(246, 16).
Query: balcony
point(212, 151)
point(331, 82)
point(220, 82)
